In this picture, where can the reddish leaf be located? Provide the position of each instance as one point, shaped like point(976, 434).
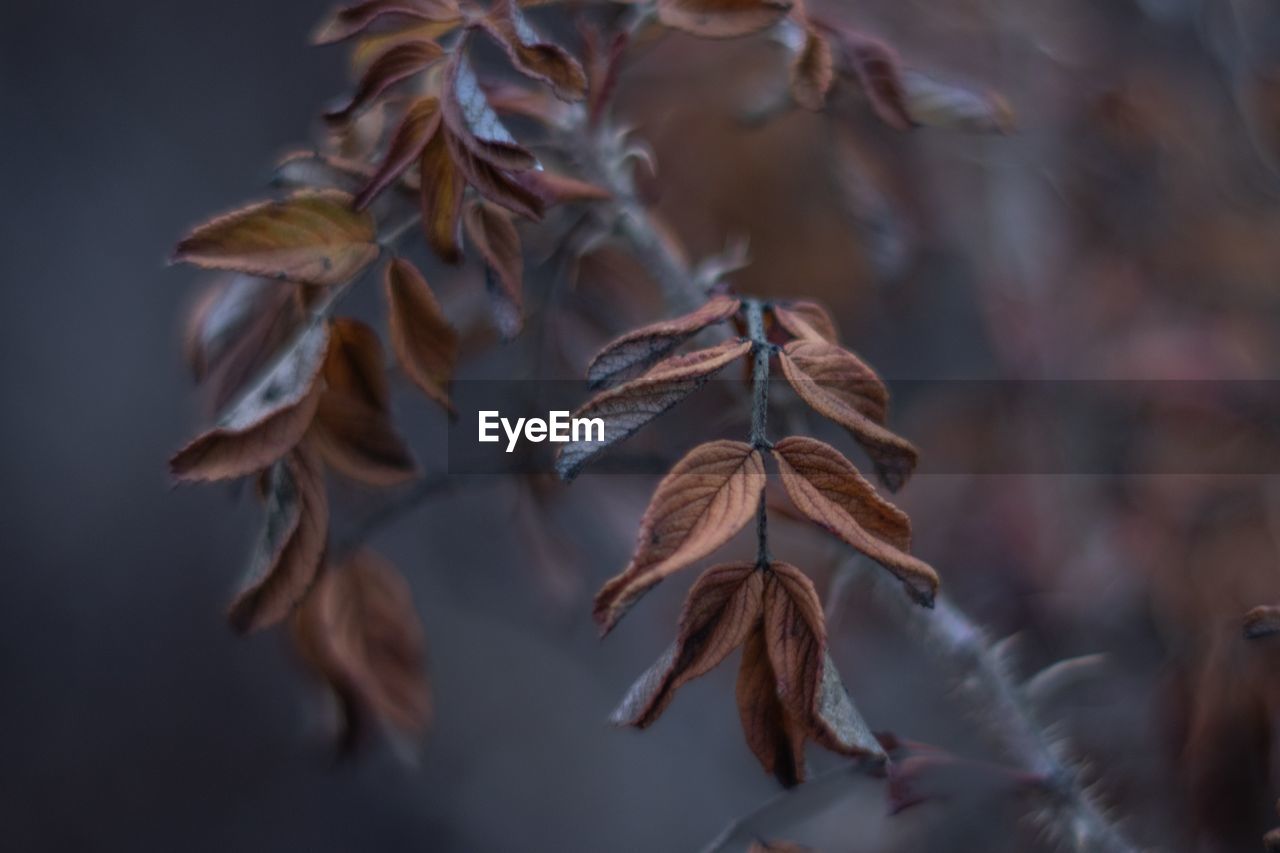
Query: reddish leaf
point(552, 188)
point(839, 386)
point(410, 138)
point(722, 18)
point(709, 496)
point(492, 232)
point(342, 24)
point(424, 342)
point(795, 637)
point(309, 237)
point(829, 490)
point(473, 122)
point(495, 184)
point(813, 71)
point(443, 186)
point(629, 407)
point(721, 610)
point(532, 55)
point(640, 348)
point(773, 735)
point(807, 320)
point(879, 73)
point(395, 66)
point(266, 422)
point(292, 544)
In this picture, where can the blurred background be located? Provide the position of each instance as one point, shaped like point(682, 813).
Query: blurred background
point(1127, 231)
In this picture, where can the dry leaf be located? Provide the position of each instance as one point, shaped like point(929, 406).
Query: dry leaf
point(722, 18)
point(709, 496)
point(627, 408)
point(934, 103)
point(553, 188)
point(879, 73)
point(442, 190)
point(267, 420)
point(640, 348)
point(827, 489)
point(408, 141)
point(532, 55)
point(773, 735)
point(395, 66)
point(807, 320)
point(292, 544)
point(343, 23)
point(309, 237)
point(813, 71)
point(473, 122)
point(424, 342)
point(497, 185)
point(494, 235)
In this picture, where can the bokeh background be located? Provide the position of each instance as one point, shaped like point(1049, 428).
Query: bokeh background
point(1127, 231)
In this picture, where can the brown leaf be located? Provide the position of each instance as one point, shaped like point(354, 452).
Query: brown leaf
point(268, 419)
point(443, 186)
point(408, 141)
point(829, 491)
point(494, 235)
point(722, 18)
point(720, 611)
point(395, 66)
point(934, 103)
point(880, 74)
point(497, 185)
point(553, 188)
point(343, 23)
point(309, 237)
point(1262, 622)
point(353, 430)
point(292, 544)
point(640, 348)
point(795, 637)
point(813, 71)
point(473, 122)
point(424, 342)
point(839, 386)
point(808, 320)
point(773, 735)
point(532, 55)
point(358, 630)
point(628, 407)
point(709, 496)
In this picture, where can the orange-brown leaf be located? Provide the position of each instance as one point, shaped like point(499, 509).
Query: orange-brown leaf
point(773, 735)
point(398, 64)
point(266, 421)
point(494, 235)
point(553, 188)
point(532, 55)
point(720, 611)
point(309, 237)
point(722, 18)
point(839, 386)
point(410, 138)
point(809, 320)
point(628, 407)
point(442, 188)
point(424, 342)
point(496, 184)
point(709, 496)
point(828, 490)
point(343, 23)
point(640, 348)
point(291, 546)
point(812, 71)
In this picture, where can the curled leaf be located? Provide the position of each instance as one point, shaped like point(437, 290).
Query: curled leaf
point(443, 186)
point(812, 71)
point(879, 72)
point(420, 123)
point(424, 342)
point(494, 235)
point(553, 188)
point(774, 736)
point(398, 64)
point(640, 348)
point(532, 55)
point(473, 122)
point(709, 496)
point(808, 320)
point(722, 18)
point(343, 23)
point(496, 184)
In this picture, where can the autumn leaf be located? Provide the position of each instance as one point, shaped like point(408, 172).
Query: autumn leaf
point(878, 71)
point(812, 71)
point(1262, 622)
point(398, 64)
point(410, 138)
point(291, 547)
point(266, 421)
point(773, 735)
point(839, 386)
point(425, 344)
point(494, 235)
point(936, 103)
point(828, 490)
point(352, 429)
point(709, 496)
point(531, 54)
point(309, 237)
point(553, 188)
point(357, 630)
point(720, 611)
point(441, 195)
point(343, 23)
point(722, 18)
point(640, 348)
point(628, 407)
point(807, 320)
point(497, 185)
point(473, 122)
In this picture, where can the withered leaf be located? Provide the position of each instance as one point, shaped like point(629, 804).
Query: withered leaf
point(812, 71)
point(722, 608)
point(309, 237)
point(291, 547)
point(809, 320)
point(773, 735)
point(640, 348)
point(424, 342)
point(473, 122)
point(628, 407)
point(553, 188)
point(420, 123)
point(498, 185)
point(358, 630)
point(398, 64)
point(1262, 622)
point(343, 23)
point(835, 384)
point(935, 103)
point(532, 55)
point(266, 421)
point(494, 235)
point(709, 496)
point(879, 72)
point(837, 725)
point(442, 189)
point(722, 18)
point(828, 490)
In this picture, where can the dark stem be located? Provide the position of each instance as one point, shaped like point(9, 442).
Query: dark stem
point(759, 413)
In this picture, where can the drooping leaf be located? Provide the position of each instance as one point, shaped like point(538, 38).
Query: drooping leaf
point(837, 725)
point(833, 382)
point(722, 608)
point(709, 496)
point(266, 421)
point(879, 72)
point(292, 545)
point(812, 71)
point(498, 185)
point(553, 188)
point(1262, 622)
point(828, 490)
point(795, 637)
point(345, 22)
point(473, 122)
point(532, 54)
point(934, 103)
point(640, 348)
point(443, 186)
point(628, 407)
point(309, 237)
point(773, 735)
point(358, 630)
point(808, 320)
point(722, 18)
point(494, 236)
point(410, 138)
point(424, 342)
point(397, 65)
